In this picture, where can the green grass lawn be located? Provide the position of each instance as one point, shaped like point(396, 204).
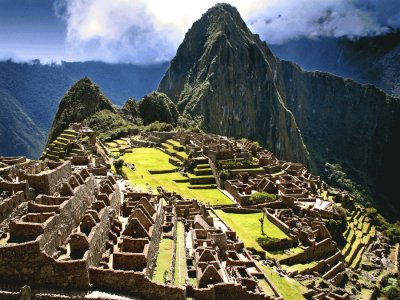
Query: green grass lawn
point(146, 159)
point(175, 143)
point(265, 287)
point(289, 288)
point(121, 142)
point(112, 144)
point(164, 260)
point(299, 267)
point(180, 256)
point(248, 227)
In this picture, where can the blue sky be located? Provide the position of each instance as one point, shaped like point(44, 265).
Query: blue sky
point(148, 31)
point(29, 29)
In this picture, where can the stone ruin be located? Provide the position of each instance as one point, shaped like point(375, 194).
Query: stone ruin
point(69, 227)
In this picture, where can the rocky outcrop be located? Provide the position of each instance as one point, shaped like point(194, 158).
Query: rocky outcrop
point(81, 101)
point(229, 77)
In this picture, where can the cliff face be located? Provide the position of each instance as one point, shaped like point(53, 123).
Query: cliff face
point(355, 125)
point(81, 101)
point(225, 74)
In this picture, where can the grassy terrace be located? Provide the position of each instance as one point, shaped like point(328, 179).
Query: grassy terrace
point(248, 228)
point(164, 260)
point(180, 256)
point(299, 267)
point(358, 235)
point(289, 288)
point(146, 159)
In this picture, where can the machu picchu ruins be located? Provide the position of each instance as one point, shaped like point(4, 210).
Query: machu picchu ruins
point(205, 217)
point(133, 166)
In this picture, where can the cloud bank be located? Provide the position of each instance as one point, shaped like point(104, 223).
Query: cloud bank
point(148, 31)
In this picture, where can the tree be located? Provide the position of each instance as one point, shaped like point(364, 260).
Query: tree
point(262, 224)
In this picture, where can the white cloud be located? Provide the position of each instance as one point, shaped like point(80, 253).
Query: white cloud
point(144, 31)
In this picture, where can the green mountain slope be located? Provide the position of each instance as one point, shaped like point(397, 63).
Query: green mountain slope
point(81, 101)
point(18, 132)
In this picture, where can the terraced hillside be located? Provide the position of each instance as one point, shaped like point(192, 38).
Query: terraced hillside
point(149, 168)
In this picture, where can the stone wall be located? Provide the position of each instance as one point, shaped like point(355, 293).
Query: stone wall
point(278, 223)
point(240, 210)
point(161, 136)
point(8, 205)
point(14, 186)
point(31, 262)
point(225, 291)
point(69, 217)
point(155, 241)
point(25, 263)
point(133, 284)
point(47, 182)
point(98, 237)
point(314, 252)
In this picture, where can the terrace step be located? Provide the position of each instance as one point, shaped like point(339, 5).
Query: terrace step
point(181, 155)
point(201, 160)
point(202, 180)
point(202, 186)
point(202, 172)
point(203, 166)
point(71, 132)
point(52, 157)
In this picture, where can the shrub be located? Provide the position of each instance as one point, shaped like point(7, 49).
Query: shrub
point(337, 227)
point(393, 293)
point(261, 197)
point(109, 125)
point(118, 164)
point(225, 175)
point(158, 126)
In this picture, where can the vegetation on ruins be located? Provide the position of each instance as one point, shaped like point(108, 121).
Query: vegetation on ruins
point(225, 175)
point(158, 126)
point(238, 163)
point(337, 227)
point(261, 197)
point(109, 125)
point(337, 176)
point(266, 241)
point(118, 164)
point(391, 230)
point(393, 291)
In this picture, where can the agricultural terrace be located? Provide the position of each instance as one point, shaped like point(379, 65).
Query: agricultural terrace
point(152, 160)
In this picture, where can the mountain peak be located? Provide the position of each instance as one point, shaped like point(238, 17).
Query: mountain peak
point(222, 9)
point(82, 100)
